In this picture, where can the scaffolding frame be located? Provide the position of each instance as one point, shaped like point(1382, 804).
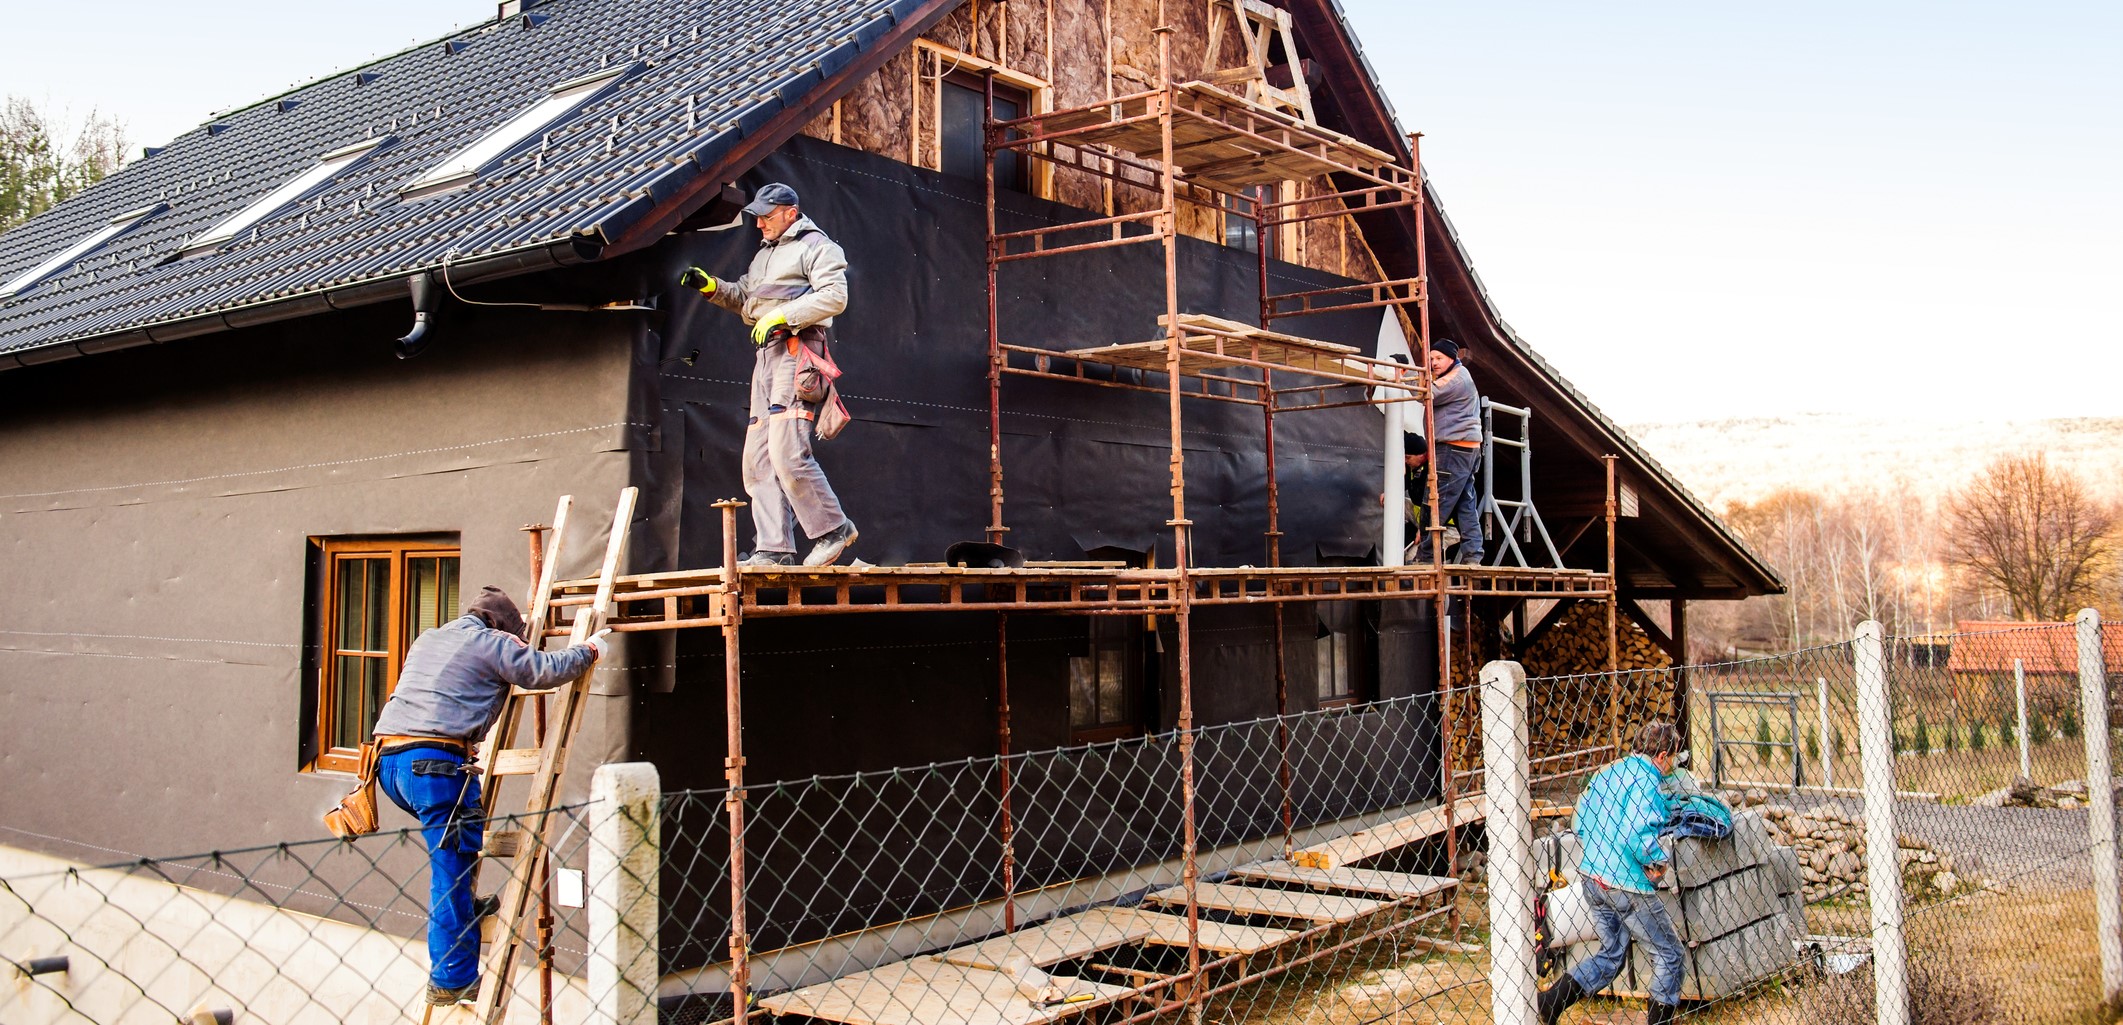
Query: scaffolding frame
point(1209, 146)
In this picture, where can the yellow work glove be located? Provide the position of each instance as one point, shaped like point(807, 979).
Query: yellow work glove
point(694, 277)
point(766, 326)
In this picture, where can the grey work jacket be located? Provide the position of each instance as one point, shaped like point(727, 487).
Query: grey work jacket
point(1456, 406)
point(456, 675)
point(804, 274)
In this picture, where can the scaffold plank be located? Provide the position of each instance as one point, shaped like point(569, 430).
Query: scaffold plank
point(1253, 900)
point(926, 991)
point(1402, 885)
point(1063, 939)
point(1387, 836)
point(1167, 930)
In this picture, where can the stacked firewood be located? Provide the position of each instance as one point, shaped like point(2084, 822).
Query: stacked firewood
point(1569, 690)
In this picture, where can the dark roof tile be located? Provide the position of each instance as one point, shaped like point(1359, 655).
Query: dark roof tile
point(707, 78)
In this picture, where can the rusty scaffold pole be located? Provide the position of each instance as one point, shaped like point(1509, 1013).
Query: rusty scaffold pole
point(1004, 827)
point(734, 761)
point(1273, 536)
point(1182, 618)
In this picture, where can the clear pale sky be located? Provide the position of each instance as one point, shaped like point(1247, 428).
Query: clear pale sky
point(1693, 210)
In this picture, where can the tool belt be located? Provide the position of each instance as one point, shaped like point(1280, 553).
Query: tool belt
point(355, 814)
point(392, 743)
point(815, 374)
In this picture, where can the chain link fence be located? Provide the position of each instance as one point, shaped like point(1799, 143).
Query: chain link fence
point(1310, 869)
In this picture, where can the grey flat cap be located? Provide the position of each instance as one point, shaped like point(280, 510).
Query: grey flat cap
point(768, 197)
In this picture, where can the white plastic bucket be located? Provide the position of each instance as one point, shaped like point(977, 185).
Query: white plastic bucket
point(1570, 917)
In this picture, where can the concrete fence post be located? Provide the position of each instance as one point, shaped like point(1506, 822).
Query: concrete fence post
point(1513, 981)
point(625, 856)
point(1883, 868)
point(2100, 805)
point(2019, 689)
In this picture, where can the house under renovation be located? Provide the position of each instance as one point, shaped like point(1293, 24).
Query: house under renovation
point(1127, 280)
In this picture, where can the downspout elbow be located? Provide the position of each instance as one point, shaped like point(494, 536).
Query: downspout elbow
point(413, 342)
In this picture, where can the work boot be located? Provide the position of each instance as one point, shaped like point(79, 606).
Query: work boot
point(1557, 998)
point(1660, 1014)
point(761, 560)
point(1467, 558)
point(828, 547)
point(441, 997)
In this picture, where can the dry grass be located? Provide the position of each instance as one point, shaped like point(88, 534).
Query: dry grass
point(2030, 952)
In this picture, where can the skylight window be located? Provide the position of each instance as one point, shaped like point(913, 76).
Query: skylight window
point(328, 167)
point(118, 225)
point(558, 103)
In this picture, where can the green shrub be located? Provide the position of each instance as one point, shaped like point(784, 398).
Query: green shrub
point(2068, 724)
point(1762, 737)
point(1975, 736)
point(1950, 736)
point(2037, 728)
point(1921, 740)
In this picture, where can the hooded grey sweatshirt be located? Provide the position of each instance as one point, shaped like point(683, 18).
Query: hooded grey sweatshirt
point(456, 675)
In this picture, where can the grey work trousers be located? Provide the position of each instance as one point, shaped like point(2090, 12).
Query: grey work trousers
point(787, 486)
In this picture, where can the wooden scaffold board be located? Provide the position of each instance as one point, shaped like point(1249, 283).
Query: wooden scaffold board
point(1387, 836)
point(1398, 885)
point(927, 991)
point(1320, 908)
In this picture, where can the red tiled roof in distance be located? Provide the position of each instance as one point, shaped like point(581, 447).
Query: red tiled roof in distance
point(1980, 647)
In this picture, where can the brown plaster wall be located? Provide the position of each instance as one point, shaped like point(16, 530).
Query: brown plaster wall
point(156, 508)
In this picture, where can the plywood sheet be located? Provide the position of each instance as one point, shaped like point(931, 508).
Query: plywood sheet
point(1252, 900)
point(1064, 939)
point(1219, 937)
point(1353, 880)
point(1388, 836)
point(926, 991)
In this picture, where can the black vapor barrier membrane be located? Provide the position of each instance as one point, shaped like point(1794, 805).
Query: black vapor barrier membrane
point(1084, 467)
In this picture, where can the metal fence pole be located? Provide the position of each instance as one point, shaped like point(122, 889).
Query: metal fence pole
point(1828, 755)
point(2019, 688)
point(1883, 869)
point(1512, 982)
point(2100, 804)
point(625, 856)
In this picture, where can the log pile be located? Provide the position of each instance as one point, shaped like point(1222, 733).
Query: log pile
point(1569, 690)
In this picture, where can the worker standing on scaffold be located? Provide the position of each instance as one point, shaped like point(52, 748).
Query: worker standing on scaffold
point(797, 283)
point(1456, 409)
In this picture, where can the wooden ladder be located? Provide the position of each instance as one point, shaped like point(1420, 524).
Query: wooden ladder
point(527, 846)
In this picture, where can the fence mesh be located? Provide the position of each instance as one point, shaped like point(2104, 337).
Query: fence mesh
point(1310, 868)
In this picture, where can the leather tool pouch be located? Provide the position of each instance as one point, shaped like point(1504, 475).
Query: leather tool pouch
point(815, 376)
point(355, 814)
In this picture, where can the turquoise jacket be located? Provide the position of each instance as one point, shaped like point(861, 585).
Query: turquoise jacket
point(1619, 818)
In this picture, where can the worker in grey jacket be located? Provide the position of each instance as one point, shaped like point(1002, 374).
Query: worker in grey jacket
point(797, 283)
point(1456, 413)
point(449, 693)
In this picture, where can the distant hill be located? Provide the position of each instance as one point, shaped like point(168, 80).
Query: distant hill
point(1743, 460)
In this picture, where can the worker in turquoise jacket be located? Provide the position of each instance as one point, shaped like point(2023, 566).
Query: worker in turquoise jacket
point(1619, 819)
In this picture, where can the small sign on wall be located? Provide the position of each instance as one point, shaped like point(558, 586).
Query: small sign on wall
point(567, 887)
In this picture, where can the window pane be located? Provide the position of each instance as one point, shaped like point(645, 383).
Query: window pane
point(378, 606)
point(432, 594)
point(1323, 666)
point(346, 715)
point(372, 672)
point(959, 141)
point(1083, 692)
point(1112, 686)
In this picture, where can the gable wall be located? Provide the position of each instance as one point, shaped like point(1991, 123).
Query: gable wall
point(1086, 51)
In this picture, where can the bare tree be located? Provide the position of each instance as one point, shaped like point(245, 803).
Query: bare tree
point(44, 160)
point(2032, 535)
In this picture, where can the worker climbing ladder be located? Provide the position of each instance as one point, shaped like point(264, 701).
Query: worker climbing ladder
point(523, 895)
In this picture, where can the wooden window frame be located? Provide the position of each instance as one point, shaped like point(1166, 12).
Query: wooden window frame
point(1132, 641)
point(397, 612)
point(1363, 663)
point(933, 63)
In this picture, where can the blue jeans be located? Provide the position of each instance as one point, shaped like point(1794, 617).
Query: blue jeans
point(1459, 502)
point(1620, 916)
point(432, 786)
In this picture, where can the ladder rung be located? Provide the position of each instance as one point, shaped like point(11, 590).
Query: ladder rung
point(517, 761)
point(503, 843)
